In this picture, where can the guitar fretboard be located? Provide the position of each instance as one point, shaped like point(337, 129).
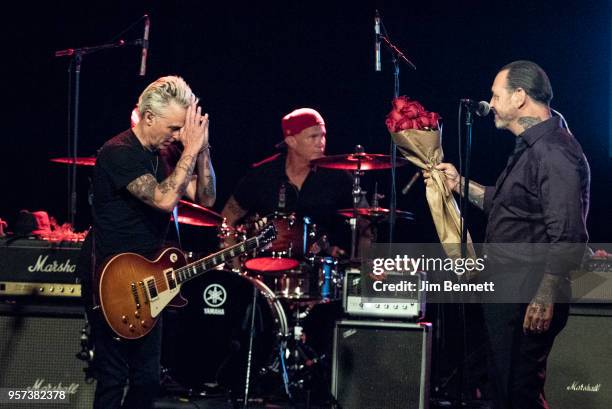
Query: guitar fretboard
point(196, 268)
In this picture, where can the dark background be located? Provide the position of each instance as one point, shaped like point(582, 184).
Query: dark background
point(251, 64)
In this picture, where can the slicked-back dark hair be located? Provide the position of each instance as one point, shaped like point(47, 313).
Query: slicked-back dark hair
point(532, 78)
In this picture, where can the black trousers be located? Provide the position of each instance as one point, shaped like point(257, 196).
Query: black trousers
point(127, 371)
point(517, 361)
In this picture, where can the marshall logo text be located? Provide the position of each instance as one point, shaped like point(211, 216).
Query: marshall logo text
point(580, 387)
point(54, 267)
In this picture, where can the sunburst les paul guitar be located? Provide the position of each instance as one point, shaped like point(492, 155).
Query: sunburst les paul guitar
point(133, 290)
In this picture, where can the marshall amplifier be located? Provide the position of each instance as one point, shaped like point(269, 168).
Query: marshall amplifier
point(38, 348)
point(36, 267)
point(579, 369)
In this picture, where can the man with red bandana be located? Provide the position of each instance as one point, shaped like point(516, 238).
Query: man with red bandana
point(289, 184)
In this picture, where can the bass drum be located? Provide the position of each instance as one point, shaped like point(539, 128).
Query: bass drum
point(207, 341)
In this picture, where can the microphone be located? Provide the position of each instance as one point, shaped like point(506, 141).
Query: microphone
point(481, 108)
point(377, 43)
point(145, 46)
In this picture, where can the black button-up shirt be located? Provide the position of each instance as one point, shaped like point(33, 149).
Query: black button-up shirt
point(543, 194)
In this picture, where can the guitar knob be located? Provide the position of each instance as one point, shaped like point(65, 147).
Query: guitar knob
point(124, 319)
point(143, 323)
point(131, 327)
point(137, 314)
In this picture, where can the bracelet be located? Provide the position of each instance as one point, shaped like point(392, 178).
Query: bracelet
point(203, 148)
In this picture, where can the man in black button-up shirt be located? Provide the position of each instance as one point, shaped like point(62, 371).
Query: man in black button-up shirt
point(542, 196)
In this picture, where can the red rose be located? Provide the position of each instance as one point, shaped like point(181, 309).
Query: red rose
point(411, 111)
point(400, 102)
point(413, 106)
point(434, 118)
point(409, 114)
point(391, 124)
point(424, 121)
point(407, 123)
point(395, 115)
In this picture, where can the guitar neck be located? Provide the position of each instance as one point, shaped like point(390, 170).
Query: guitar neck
point(195, 269)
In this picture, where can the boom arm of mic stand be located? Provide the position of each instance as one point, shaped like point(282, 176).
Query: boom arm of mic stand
point(88, 50)
point(396, 51)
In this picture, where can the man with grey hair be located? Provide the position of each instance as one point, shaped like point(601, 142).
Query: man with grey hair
point(133, 196)
point(542, 196)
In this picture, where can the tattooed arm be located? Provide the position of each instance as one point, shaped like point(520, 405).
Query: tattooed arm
point(203, 189)
point(166, 194)
point(476, 192)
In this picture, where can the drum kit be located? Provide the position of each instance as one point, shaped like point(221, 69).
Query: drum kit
point(252, 321)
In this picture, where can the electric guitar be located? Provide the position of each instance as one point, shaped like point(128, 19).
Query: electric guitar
point(133, 290)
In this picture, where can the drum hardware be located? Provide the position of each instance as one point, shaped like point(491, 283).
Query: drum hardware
point(81, 161)
point(357, 162)
point(292, 243)
point(195, 215)
point(250, 354)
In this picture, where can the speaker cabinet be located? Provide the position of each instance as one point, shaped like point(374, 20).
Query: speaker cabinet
point(37, 351)
point(579, 373)
point(381, 365)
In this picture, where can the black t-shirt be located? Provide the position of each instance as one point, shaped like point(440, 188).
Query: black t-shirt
point(323, 193)
point(122, 222)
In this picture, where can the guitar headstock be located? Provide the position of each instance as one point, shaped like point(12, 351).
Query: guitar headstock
point(266, 234)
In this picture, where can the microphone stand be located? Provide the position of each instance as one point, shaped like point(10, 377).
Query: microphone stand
point(461, 370)
point(77, 60)
point(469, 121)
point(397, 56)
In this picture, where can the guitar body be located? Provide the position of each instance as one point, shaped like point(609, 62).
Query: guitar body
point(134, 290)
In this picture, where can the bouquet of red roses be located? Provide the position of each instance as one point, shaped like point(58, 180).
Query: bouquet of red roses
point(417, 133)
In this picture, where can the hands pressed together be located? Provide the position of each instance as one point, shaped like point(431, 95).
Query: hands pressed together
point(194, 134)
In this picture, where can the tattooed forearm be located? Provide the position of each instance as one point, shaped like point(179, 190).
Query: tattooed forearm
point(552, 289)
point(166, 194)
point(174, 182)
point(206, 188)
point(528, 121)
point(186, 163)
point(168, 185)
point(476, 193)
point(143, 187)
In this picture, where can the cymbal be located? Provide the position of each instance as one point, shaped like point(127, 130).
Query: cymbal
point(357, 161)
point(82, 161)
point(196, 215)
point(375, 212)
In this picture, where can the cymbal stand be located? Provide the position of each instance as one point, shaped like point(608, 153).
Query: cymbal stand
point(357, 173)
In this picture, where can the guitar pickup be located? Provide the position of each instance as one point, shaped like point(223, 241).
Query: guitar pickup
point(151, 288)
point(170, 278)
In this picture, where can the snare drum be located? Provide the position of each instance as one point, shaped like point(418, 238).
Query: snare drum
point(316, 279)
point(208, 340)
point(293, 235)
